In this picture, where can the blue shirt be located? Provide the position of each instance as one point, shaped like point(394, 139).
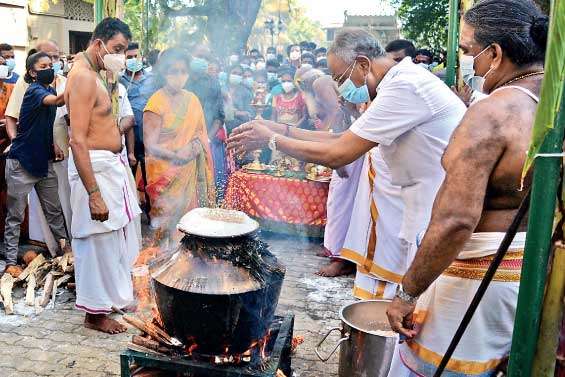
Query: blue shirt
point(33, 145)
point(13, 79)
point(139, 92)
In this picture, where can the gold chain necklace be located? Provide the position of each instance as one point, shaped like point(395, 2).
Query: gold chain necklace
point(521, 77)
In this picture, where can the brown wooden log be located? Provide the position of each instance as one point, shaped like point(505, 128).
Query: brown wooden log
point(34, 265)
point(149, 343)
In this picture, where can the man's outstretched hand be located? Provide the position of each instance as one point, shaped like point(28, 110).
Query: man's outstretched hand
point(249, 137)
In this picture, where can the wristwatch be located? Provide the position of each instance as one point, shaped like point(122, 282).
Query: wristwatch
point(402, 295)
point(273, 143)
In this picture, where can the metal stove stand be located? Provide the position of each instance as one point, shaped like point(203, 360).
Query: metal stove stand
point(278, 358)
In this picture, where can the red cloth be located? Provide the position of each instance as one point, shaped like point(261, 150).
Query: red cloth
point(291, 201)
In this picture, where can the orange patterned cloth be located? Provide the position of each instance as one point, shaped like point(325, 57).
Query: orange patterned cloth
point(285, 200)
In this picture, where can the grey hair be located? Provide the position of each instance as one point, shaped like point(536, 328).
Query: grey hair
point(353, 42)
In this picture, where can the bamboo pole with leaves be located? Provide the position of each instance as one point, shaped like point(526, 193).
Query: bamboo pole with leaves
point(547, 137)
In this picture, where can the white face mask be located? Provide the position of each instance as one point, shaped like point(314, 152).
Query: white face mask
point(467, 65)
point(294, 55)
point(288, 86)
point(113, 62)
point(4, 72)
point(260, 65)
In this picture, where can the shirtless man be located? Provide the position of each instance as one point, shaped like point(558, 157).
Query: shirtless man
point(505, 39)
point(102, 201)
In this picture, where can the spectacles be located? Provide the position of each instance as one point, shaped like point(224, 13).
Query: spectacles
point(338, 78)
point(177, 72)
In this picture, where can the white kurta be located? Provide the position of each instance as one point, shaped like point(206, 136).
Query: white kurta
point(104, 251)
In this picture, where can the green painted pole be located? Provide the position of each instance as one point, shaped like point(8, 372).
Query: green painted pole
point(536, 255)
point(452, 42)
point(98, 11)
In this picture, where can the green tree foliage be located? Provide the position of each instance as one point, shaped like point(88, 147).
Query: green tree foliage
point(425, 21)
point(225, 24)
point(296, 27)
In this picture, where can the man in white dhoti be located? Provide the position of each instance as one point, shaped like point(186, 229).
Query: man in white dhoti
point(411, 120)
point(104, 203)
point(504, 41)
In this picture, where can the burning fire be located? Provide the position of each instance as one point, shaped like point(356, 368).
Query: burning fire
point(257, 346)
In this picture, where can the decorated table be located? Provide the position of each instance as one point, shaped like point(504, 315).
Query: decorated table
point(280, 204)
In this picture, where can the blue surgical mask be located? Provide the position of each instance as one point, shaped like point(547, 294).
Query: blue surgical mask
point(248, 82)
point(235, 79)
point(11, 63)
point(223, 77)
point(134, 65)
point(199, 65)
point(57, 67)
point(353, 94)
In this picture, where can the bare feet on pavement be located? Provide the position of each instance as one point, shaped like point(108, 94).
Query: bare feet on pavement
point(15, 271)
point(324, 253)
point(103, 323)
point(337, 267)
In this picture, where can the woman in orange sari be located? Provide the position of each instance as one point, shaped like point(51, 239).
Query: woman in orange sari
point(180, 173)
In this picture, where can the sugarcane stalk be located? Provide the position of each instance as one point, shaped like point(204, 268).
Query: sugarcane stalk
point(552, 312)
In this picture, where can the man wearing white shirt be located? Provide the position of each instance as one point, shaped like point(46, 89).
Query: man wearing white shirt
point(411, 120)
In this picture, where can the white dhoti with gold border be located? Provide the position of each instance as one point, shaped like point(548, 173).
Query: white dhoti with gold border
point(440, 309)
point(104, 252)
point(372, 241)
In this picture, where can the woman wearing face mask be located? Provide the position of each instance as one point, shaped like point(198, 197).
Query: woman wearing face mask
point(29, 163)
point(289, 107)
point(294, 54)
point(180, 174)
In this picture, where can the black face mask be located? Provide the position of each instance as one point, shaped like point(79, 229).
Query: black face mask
point(45, 76)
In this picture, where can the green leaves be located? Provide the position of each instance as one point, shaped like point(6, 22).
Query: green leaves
point(554, 80)
point(425, 21)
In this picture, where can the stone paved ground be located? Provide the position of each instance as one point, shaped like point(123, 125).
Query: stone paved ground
point(55, 343)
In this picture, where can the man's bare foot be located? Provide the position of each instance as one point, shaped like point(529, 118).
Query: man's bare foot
point(337, 267)
point(103, 323)
point(324, 253)
point(15, 271)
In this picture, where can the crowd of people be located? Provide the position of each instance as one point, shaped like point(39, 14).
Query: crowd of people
point(101, 138)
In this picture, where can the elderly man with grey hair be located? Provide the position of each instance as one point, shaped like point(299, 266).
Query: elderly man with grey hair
point(411, 118)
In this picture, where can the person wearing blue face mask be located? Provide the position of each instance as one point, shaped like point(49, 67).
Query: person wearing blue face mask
point(208, 89)
point(134, 79)
point(240, 97)
point(410, 121)
point(8, 59)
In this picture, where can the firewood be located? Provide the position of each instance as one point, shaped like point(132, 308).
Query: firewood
point(6, 285)
point(32, 267)
point(47, 290)
point(58, 282)
point(149, 343)
point(30, 290)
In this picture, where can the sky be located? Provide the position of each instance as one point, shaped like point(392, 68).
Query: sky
point(331, 11)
